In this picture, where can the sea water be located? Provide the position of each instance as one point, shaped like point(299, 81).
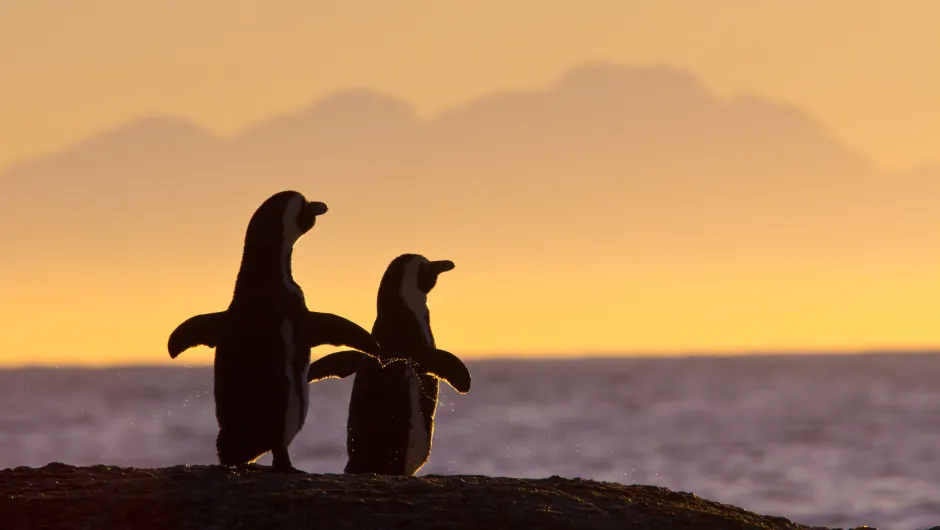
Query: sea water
point(835, 441)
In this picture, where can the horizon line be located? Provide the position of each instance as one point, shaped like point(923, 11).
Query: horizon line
point(566, 356)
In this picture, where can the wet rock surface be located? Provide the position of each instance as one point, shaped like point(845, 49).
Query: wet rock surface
point(212, 497)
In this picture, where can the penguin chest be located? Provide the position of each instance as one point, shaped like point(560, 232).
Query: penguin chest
point(419, 438)
point(296, 361)
point(417, 304)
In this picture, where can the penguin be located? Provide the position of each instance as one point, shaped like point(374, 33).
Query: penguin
point(262, 341)
point(392, 406)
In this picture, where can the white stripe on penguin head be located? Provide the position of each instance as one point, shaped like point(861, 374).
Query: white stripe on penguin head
point(414, 298)
point(290, 234)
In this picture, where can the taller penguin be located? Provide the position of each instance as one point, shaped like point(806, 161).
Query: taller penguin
point(262, 342)
point(391, 410)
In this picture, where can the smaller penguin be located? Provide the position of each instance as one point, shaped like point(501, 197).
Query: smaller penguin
point(262, 341)
point(392, 407)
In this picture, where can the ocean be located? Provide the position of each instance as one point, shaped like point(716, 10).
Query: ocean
point(837, 441)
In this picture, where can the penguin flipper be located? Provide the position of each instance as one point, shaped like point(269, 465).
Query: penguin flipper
point(446, 367)
point(339, 365)
point(327, 328)
point(200, 330)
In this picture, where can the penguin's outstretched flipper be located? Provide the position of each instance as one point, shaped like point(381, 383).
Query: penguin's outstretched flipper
point(200, 330)
point(444, 366)
point(338, 365)
point(327, 328)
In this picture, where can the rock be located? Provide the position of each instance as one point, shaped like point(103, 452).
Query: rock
point(213, 497)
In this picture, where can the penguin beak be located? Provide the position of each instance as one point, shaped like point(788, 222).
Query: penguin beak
point(427, 276)
point(438, 267)
point(316, 208)
point(308, 215)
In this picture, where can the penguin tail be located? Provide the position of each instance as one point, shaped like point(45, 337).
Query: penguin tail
point(237, 449)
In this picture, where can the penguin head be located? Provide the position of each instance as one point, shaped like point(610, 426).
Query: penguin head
point(287, 214)
point(428, 271)
point(419, 274)
point(409, 278)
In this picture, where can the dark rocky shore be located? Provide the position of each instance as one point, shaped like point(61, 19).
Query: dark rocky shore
point(210, 497)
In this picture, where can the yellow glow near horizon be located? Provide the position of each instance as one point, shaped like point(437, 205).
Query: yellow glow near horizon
point(655, 313)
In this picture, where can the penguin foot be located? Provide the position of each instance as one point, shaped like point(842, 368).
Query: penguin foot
point(281, 462)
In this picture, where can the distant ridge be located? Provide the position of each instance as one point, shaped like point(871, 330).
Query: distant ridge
point(588, 188)
point(651, 141)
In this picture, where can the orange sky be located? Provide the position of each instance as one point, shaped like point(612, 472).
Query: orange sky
point(869, 71)
point(775, 310)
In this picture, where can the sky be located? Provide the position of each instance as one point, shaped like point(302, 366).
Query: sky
point(835, 91)
point(870, 70)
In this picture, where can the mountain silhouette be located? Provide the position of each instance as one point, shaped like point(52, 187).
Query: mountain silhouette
point(611, 164)
point(607, 148)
